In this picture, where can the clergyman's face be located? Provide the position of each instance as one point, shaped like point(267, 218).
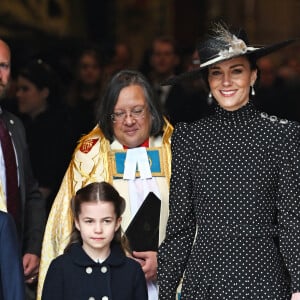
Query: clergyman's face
point(133, 121)
point(4, 68)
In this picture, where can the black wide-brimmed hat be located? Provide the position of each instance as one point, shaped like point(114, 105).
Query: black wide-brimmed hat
point(222, 45)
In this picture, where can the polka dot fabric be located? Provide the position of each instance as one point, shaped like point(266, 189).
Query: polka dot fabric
point(234, 224)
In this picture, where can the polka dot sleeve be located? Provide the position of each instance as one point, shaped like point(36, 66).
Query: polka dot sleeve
point(288, 204)
point(174, 251)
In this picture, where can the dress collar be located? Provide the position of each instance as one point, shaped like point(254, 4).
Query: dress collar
point(242, 115)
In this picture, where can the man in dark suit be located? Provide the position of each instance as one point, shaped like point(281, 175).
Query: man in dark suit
point(182, 101)
point(164, 60)
point(11, 271)
point(32, 218)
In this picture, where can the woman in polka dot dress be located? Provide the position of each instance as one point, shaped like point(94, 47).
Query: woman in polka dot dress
point(94, 265)
point(234, 225)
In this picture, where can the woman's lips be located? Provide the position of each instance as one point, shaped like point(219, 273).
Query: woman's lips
point(227, 93)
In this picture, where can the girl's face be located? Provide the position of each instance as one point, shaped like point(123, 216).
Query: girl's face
point(97, 223)
point(230, 82)
point(31, 100)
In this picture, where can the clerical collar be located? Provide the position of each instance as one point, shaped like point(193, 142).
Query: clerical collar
point(145, 144)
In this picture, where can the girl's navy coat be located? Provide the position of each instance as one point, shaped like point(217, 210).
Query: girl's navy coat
point(74, 275)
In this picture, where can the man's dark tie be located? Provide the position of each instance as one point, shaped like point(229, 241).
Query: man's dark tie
point(12, 190)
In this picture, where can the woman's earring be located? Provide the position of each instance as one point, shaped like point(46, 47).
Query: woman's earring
point(209, 98)
point(252, 90)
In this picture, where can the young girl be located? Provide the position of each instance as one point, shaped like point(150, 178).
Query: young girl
point(94, 265)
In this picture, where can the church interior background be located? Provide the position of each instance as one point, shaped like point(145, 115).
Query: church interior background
point(54, 28)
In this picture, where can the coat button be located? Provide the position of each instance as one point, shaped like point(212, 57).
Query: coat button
point(104, 269)
point(104, 298)
point(91, 298)
point(88, 270)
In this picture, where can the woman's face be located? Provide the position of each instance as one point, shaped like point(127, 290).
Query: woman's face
point(132, 119)
point(31, 100)
point(230, 82)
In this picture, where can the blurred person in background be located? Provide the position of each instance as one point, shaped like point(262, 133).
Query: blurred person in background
point(196, 103)
point(270, 92)
point(164, 61)
point(85, 90)
point(278, 88)
point(184, 101)
point(120, 58)
point(47, 125)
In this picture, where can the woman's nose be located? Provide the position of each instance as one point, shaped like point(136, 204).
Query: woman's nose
point(226, 79)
